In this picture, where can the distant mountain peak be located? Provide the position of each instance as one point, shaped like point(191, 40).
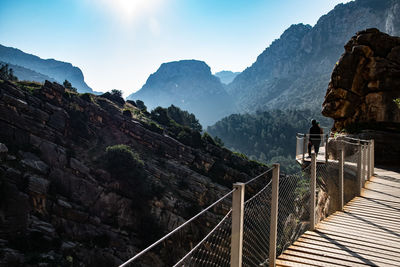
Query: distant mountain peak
point(226, 76)
point(56, 70)
point(189, 85)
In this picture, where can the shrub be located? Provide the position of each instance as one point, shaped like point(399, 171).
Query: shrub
point(122, 162)
point(140, 105)
point(397, 101)
point(115, 96)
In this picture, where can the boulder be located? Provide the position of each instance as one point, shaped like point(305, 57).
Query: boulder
point(365, 82)
point(360, 96)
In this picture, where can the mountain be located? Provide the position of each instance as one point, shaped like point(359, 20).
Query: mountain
point(226, 76)
point(87, 181)
point(294, 71)
point(189, 85)
point(54, 69)
point(24, 74)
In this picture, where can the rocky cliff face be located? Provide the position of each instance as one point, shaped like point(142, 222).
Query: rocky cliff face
point(294, 71)
point(189, 85)
point(365, 82)
point(57, 70)
point(363, 85)
point(61, 206)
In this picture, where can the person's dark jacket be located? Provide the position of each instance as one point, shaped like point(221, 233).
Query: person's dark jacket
point(315, 133)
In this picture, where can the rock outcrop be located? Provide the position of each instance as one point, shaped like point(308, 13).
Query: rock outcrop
point(361, 93)
point(365, 82)
point(61, 206)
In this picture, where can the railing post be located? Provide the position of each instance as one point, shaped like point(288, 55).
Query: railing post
point(369, 161)
point(326, 148)
point(312, 190)
point(341, 179)
point(364, 165)
point(274, 215)
point(237, 224)
point(359, 170)
point(304, 146)
point(372, 157)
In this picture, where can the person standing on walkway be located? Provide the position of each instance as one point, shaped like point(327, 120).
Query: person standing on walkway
point(315, 137)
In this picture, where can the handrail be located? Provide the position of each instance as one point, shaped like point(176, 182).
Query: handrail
point(175, 230)
point(201, 242)
point(258, 176)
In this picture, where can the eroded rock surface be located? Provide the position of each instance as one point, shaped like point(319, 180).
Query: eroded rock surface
point(365, 82)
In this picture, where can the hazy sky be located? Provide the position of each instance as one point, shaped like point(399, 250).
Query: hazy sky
point(119, 43)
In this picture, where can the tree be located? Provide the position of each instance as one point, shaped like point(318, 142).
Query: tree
point(116, 92)
point(140, 104)
point(7, 73)
point(67, 84)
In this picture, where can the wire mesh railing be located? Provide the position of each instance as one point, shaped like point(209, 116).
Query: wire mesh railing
point(293, 207)
point(275, 213)
point(168, 245)
point(214, 249)
point(306, 144)
point(256, 226)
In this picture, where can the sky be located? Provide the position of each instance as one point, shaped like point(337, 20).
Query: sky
point(119, 43)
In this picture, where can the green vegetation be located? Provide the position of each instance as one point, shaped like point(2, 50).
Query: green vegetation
point(7, 73)
point(29, 86)
point(178, 116)
point(268, 136)
point(115, 96)
point(68, 86)
point(397, 101)
point(122, 162)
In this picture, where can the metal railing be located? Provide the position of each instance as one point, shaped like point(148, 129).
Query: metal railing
point(304, 145)
point(269, 213)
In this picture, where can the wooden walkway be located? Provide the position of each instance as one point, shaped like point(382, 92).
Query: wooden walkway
point(366, 233)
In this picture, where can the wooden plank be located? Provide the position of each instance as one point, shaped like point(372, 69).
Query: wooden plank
point(352, 243)
point(322, 258)
point(366, 218)
point(361, 229)
point(368, 210)
point(357, 240)
point(307, 261)
point(361, 219)
point(357, 237)
point(285, 263)
point(373, 251)
point(345, 253)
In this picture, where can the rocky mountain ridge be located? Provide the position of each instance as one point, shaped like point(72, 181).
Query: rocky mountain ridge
point(57, 70)
point(294, 70)
point(189, 85)
point(62, 205)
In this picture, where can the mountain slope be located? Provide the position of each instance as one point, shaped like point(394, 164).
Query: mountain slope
point(226, 76)
point(189, 85)
point(52, 68)
point(294, 71)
